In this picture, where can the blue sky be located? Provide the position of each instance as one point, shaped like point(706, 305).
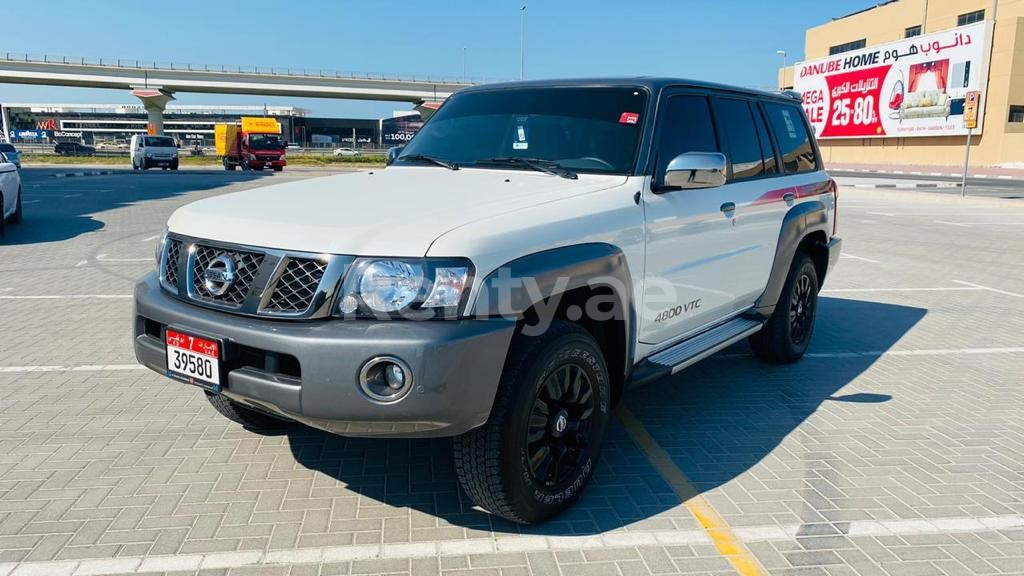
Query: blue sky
point(730, 41)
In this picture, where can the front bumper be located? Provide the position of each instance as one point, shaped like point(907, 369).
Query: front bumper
point(456, 365)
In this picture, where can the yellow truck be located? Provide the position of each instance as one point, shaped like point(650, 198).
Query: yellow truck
point(253, 144)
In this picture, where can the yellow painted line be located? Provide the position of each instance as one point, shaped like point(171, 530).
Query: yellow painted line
point(724, 539)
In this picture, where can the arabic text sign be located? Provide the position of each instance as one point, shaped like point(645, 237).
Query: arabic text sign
point(912, 87)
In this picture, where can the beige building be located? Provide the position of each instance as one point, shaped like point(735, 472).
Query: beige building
point(1002, 138)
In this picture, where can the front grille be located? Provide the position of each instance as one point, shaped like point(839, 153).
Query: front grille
point(297, 286)
point(247, 265)
point(171, 263)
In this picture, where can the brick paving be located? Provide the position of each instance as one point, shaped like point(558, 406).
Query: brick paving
point(896, 447)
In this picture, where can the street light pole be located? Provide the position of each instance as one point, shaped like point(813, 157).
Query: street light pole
point(784, 62)
point(463, 64)
point(522, 41)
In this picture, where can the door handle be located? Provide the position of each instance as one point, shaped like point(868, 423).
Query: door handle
point(788, 197)
point(728, 207)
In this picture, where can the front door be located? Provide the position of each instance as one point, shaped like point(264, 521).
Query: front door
point(688, 272)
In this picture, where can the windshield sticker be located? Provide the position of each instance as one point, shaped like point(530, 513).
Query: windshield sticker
point(629, 118)
point(522, 140)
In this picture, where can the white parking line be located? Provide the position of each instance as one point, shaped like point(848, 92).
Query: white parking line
point(82, 368)
point(996, 290)
point(938, 289)
point(105, 258)
point(68, 297)
point(933, 352)
point(848, 255)
point(151, 238)
point(497, 545)
point(960, 224)
point(30, 201)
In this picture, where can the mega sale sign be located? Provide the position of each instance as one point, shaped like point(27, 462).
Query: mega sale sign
point(913, 87)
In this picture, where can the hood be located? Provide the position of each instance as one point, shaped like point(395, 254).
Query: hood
point(399, 211)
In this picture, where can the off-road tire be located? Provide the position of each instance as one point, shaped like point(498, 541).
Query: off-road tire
point(3, 221)
point(492, 461)
point(775, 342)
point(278, 168)
point(247, 417)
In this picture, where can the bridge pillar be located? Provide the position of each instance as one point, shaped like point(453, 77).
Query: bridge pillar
point(154, 100)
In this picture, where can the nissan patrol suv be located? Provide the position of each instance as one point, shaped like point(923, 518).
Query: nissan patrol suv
point(537, 249)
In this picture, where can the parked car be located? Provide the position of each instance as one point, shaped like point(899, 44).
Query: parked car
point(73, 149)
point(153, 151)
point(534, 251)
point(292, 146)
point(10, 193)
point(348, 152)
point(12, 154)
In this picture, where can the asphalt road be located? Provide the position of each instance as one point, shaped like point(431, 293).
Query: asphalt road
point(894, 447)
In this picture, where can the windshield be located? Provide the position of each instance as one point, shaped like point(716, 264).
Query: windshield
point(160, 142)
point(581, 129)
point(265, 142)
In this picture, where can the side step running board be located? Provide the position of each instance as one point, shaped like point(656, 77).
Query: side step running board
point(689, 352)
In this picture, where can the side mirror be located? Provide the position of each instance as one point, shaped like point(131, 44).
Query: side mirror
point(393, 153)
point(696, 170)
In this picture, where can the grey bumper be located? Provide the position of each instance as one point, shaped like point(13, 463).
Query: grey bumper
point(307, 371)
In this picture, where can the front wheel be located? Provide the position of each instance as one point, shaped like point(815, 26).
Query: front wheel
point(539, 448)
point(787, 334)
point(18, 215)
point(247, 417)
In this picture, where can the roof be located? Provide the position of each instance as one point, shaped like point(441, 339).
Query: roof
point(861, 11)
point(651, 83)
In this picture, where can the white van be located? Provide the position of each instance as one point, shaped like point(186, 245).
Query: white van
point(149, 151)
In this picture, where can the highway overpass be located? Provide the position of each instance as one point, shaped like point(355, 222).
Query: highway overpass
point(156, 83)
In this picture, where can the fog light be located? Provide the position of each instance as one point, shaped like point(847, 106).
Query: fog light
point(385, 379)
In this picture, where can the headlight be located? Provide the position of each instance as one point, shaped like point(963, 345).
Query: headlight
point(422, 288)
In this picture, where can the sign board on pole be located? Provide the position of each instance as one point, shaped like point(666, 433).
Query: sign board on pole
point(971, 105)
point(912, 87)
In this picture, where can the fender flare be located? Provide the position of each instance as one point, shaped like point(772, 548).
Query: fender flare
point(801, 220)
point(535, 278)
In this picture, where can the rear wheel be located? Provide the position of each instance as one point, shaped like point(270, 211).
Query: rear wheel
point(787, 334)
point(278, 168)
point(538, 450)
point(247, 417)
point(3, 221)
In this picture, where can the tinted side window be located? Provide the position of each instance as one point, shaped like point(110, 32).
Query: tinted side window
point(740, 137)
point(795, 147)
point(685, 127)
point(767, 150)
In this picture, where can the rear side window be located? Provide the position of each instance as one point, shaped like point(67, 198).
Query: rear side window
point(795, 146)
point(767, 151)
point(6, 148)
point(685, 127)
point(740, 139)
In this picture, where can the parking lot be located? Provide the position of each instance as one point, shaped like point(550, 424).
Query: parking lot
point(895, 447)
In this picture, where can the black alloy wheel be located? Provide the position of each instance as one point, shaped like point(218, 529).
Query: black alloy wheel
point(801, 309)
point(559, 427)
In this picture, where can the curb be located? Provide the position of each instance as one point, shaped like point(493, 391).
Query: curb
point(921, 173)
point(907, 186)
point(934, 196)
point(90, 173)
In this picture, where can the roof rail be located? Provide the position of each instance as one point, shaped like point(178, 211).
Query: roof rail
point(792, 94)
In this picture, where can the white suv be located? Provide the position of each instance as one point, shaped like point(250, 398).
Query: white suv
point(534, 251)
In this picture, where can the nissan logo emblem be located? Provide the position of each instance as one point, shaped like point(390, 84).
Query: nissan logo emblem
point(219, 275)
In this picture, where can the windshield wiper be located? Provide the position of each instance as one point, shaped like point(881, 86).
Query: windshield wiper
point(431, 159)
point(538, 164)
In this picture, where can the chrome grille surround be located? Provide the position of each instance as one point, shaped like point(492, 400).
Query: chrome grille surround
point(169, 265)
point(268, 282)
